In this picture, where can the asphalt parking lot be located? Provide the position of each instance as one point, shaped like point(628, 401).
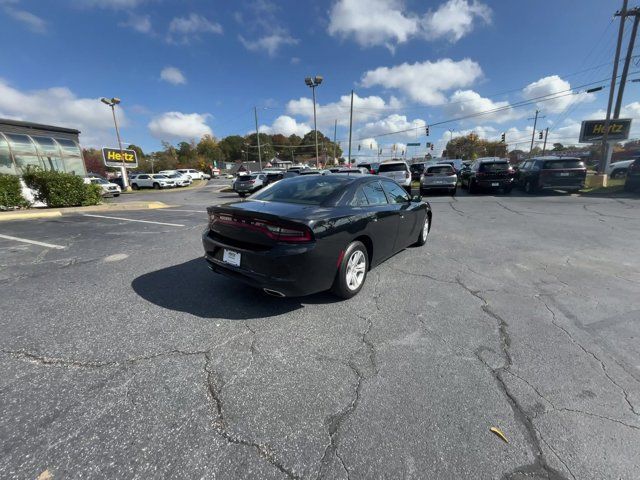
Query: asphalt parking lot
point(123, 356)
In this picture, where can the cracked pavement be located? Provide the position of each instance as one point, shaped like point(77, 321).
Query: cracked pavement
point(123, 356)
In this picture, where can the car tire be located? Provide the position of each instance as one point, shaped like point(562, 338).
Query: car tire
point(242, 195)
point(116, 194)
point(618, 173)
point(135, 186)
point(423, 193)
point(424, 233)
point(454, 190)
point(472, 187)
point(528, 187)
point(507, 190)
point(345, 287)
point(156, 186)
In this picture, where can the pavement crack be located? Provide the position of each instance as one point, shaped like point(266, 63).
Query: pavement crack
point(336, 421)
point(425, 275)
point(222, 429)
point(510, 209)
point(590, 353)
point(458, 211)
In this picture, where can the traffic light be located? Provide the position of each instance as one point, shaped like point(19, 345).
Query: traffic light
point(426, 130)
point(541, 135)
point(503, 137)
point(380, 152)
point(428, 144)
point(371, 146)
point(432, 146)
point(358, 147)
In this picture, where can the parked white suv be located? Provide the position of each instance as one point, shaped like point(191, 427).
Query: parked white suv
point(148, 180)
point(397, 170)
point(618, 169)
point(194, 174)
point(181, 179)
point(108, 188)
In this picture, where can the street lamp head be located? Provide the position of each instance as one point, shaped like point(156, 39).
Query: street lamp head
point(308, 81)
point(105, 101)
point(318, 79)
point(115, 100)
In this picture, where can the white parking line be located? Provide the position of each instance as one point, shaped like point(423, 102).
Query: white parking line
point(33, 242)
point(132, 220)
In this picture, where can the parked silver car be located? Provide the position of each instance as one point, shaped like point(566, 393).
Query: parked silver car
point(157, 181)
point(397, 170)
point(247, 184)
point(439, 177)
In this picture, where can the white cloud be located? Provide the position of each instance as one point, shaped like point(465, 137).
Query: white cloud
point(372, 22)
point(270, 43)
point(33, 22)
point(183, 29)
point(286, 125)
point(140, 23)
point(178, 125)
point(173, 75)
point(468, 102)
point(393, 123)
point(389, 23)
point(115, 4)
point(426, 81)
point(552, 85)
point(364, 109)
point(60, 106)
point(454, 19)
point(368, 144)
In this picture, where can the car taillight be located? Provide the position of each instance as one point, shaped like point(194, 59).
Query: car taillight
point(252, 181)
point(372, 171)
point(279, 233)
point(634, 167)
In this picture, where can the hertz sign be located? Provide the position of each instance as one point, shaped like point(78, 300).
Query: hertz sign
point(114, 157)
point(593, 130)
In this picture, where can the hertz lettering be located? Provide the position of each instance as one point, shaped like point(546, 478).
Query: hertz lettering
point(117, 157)
point(594, 130)
point(599, 128)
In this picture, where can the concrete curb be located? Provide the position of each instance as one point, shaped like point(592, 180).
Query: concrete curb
point(58, 212)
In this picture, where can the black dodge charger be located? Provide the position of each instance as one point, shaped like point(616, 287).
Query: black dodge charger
point(312, 233)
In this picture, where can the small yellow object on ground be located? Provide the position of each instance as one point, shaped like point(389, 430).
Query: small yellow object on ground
point(499, 433)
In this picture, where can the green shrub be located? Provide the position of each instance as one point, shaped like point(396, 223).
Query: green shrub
point(11, 192)
point(58, 189)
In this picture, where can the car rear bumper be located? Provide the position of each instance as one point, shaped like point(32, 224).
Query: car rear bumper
point(573, 185)
point(291, 270)
point(434, 186)
point(497, 183)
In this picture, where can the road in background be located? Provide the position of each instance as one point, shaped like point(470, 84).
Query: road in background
point(125, 357)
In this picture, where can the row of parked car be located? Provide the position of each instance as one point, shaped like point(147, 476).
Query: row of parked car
point(181, 177)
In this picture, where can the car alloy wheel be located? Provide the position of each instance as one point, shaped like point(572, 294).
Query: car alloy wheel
point(424, 233)
point(356, 267)
point(352, 270)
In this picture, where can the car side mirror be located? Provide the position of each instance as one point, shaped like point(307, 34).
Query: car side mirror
point(416, 198)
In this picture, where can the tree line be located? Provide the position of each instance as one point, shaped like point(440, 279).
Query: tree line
point(234, 148)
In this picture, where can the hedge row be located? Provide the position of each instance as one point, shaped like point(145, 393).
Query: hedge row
point(11, 192)
point(58, 189)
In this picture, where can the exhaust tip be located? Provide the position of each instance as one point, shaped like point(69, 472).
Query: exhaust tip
point(273, 293)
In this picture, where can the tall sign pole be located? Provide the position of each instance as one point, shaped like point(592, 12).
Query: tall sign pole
point(605, 137)
point(350, 126)
point(533, 134)
point(546, 134)
point(255, 111)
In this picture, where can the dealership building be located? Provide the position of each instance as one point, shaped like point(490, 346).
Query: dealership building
point(45, 146)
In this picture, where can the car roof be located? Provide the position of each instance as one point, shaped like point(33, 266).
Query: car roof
point(491, 159)
point(394, 162)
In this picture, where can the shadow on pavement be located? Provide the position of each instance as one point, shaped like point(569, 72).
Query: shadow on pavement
point(191, 287)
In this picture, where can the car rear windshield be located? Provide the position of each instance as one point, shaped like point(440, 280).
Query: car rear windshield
point(416, 167)
point(392, 167)
point(306, 189)
point(494, 167)
point(555, 164)
point(441, 170)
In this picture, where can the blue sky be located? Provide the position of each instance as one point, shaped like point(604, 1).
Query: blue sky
point(188, 67)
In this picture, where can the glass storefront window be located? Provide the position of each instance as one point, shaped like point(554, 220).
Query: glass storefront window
point(71, 156)
point(24, 151)
point(50, 153)
point(6, 164)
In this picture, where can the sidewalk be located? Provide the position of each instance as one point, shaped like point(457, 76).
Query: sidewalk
point(58, 212)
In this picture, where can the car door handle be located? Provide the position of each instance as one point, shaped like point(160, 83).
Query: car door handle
point(401, 216)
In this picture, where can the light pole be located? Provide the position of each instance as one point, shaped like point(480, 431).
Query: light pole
point(313, 83)
point(123, 170)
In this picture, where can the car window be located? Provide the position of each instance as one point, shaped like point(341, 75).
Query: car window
point(569, 163)
point(494, 167)
point(441, 170)
point(142, 177)
point(305, 189)
point(359, 199)
point(374, 193)
point(395, 193)
point(392, 167)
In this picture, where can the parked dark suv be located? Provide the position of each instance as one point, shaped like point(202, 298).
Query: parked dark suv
point(537, 174)
point(487, 173)
point(632, 184)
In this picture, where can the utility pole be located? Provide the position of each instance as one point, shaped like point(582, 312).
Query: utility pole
point(533, 135)
point(606, 151)
point(335, 131)
point(546, 134)
point(255, 111)
point(634, 12)
point(350, 126)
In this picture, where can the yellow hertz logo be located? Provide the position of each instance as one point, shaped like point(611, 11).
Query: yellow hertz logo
point(115, 156)
point(613, 128)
